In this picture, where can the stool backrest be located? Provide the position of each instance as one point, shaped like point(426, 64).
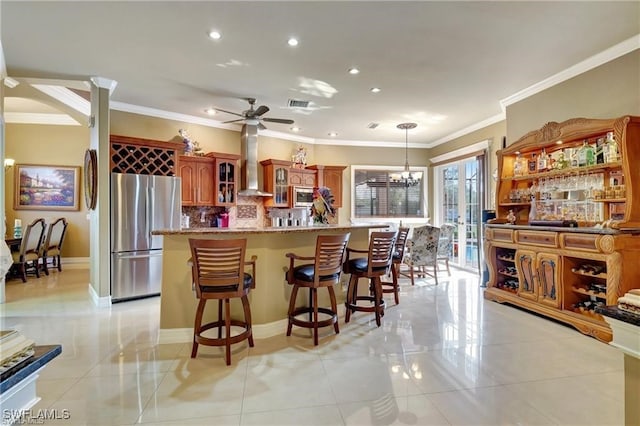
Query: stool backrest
point(401, 242)
point(218, 263)
point(331, 251)
point(381, 246)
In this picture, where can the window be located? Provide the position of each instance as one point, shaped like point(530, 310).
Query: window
point(376, 195)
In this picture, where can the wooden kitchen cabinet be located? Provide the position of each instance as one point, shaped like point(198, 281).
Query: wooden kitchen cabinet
point(302, 177)
point(226, 178)
point(331, 177)
point(276, 182)
point(197, 184)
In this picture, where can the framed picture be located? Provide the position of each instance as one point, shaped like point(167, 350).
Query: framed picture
point(41, 187)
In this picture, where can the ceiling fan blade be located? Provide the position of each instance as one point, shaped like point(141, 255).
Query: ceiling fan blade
point(233, 121)
point(278, 120)
point(261, 126)
point(261, 110)
point(229, 112)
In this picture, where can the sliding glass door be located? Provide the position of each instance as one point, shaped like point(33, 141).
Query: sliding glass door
point(458, 200)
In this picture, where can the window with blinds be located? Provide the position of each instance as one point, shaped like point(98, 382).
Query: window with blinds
point(375, 194)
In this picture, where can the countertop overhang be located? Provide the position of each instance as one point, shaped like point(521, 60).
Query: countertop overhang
point(267, 230)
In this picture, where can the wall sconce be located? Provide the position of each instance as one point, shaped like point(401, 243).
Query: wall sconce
point(9, 163)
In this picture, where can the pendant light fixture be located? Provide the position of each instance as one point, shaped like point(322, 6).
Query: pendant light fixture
point(407, 177)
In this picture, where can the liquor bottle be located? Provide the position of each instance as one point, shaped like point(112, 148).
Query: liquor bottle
point(518, 169)
point(582, 154)
point(600, 151)
point(543, 161)
point(611, 147)
point(590, 154)
point(533, 164)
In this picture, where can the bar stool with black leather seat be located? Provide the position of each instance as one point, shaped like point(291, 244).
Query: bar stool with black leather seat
point(398, 254)
point(325, 271)
point(29, 254)
point(218, 270)
point(52, 246)
point(375, 265)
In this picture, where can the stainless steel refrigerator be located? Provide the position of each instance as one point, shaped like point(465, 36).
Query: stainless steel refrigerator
point(140, 204)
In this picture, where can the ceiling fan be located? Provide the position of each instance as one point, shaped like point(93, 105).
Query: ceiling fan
point(251, 116)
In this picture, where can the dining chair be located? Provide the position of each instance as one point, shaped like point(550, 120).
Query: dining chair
point(422, 252)
point(325, 271)
point(218, 272)
point(28, 256)
point(445, 243)
point(52, 246)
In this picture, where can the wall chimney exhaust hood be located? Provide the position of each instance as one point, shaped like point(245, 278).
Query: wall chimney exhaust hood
point(249, 161)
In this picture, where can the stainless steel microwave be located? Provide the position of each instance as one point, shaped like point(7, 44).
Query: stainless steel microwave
point(302, 196)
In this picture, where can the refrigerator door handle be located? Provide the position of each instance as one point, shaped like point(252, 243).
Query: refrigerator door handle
point(139, 256)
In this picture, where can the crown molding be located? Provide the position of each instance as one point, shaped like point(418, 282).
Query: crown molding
point(478, 146)
point(66, 96)
point(39, 118)
point(594, 61)
point(477, 126)
point(168, 115)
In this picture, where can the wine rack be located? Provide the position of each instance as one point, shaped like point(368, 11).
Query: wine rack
point(143, 156)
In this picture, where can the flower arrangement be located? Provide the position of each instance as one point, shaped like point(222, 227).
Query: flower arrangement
point(322, 207)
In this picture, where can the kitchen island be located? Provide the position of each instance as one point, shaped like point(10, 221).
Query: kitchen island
point(269, 300)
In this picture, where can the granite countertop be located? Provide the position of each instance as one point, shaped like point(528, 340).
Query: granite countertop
point(268, 230)
point(617, 313)
point(42, 355)
point(583, 230)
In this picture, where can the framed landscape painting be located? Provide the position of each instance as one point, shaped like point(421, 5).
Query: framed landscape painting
point(41, 187)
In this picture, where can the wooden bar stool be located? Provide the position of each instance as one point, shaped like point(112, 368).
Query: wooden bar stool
point(398, 255)
point(375, 265)
point(218, 273)
point(325, 271)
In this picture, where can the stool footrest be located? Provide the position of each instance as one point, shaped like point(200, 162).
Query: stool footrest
point(355, 307)
point(213, 341)
point(309, 324)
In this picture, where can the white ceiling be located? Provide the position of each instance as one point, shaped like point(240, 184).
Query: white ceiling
point(444, 65)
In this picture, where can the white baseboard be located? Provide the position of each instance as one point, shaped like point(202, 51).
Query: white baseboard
point(185, 335)
point(100, 302)
point(75, 263)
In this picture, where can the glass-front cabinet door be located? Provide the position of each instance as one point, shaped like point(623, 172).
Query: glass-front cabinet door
point(276, 182)
point(226, 179)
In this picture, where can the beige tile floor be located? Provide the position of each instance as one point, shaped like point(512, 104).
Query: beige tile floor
point(443, 356)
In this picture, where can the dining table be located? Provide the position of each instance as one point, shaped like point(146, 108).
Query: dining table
point(13, 243)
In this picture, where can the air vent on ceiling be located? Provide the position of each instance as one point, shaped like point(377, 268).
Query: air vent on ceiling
point(372, 125)
point(295, 103)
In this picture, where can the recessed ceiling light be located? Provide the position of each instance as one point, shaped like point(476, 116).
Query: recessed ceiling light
point(214, 35)
point(295, 129)
point(292, 42)
point(333, 134)
point(210, 111)
point(354, 71)
point(375, 90)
